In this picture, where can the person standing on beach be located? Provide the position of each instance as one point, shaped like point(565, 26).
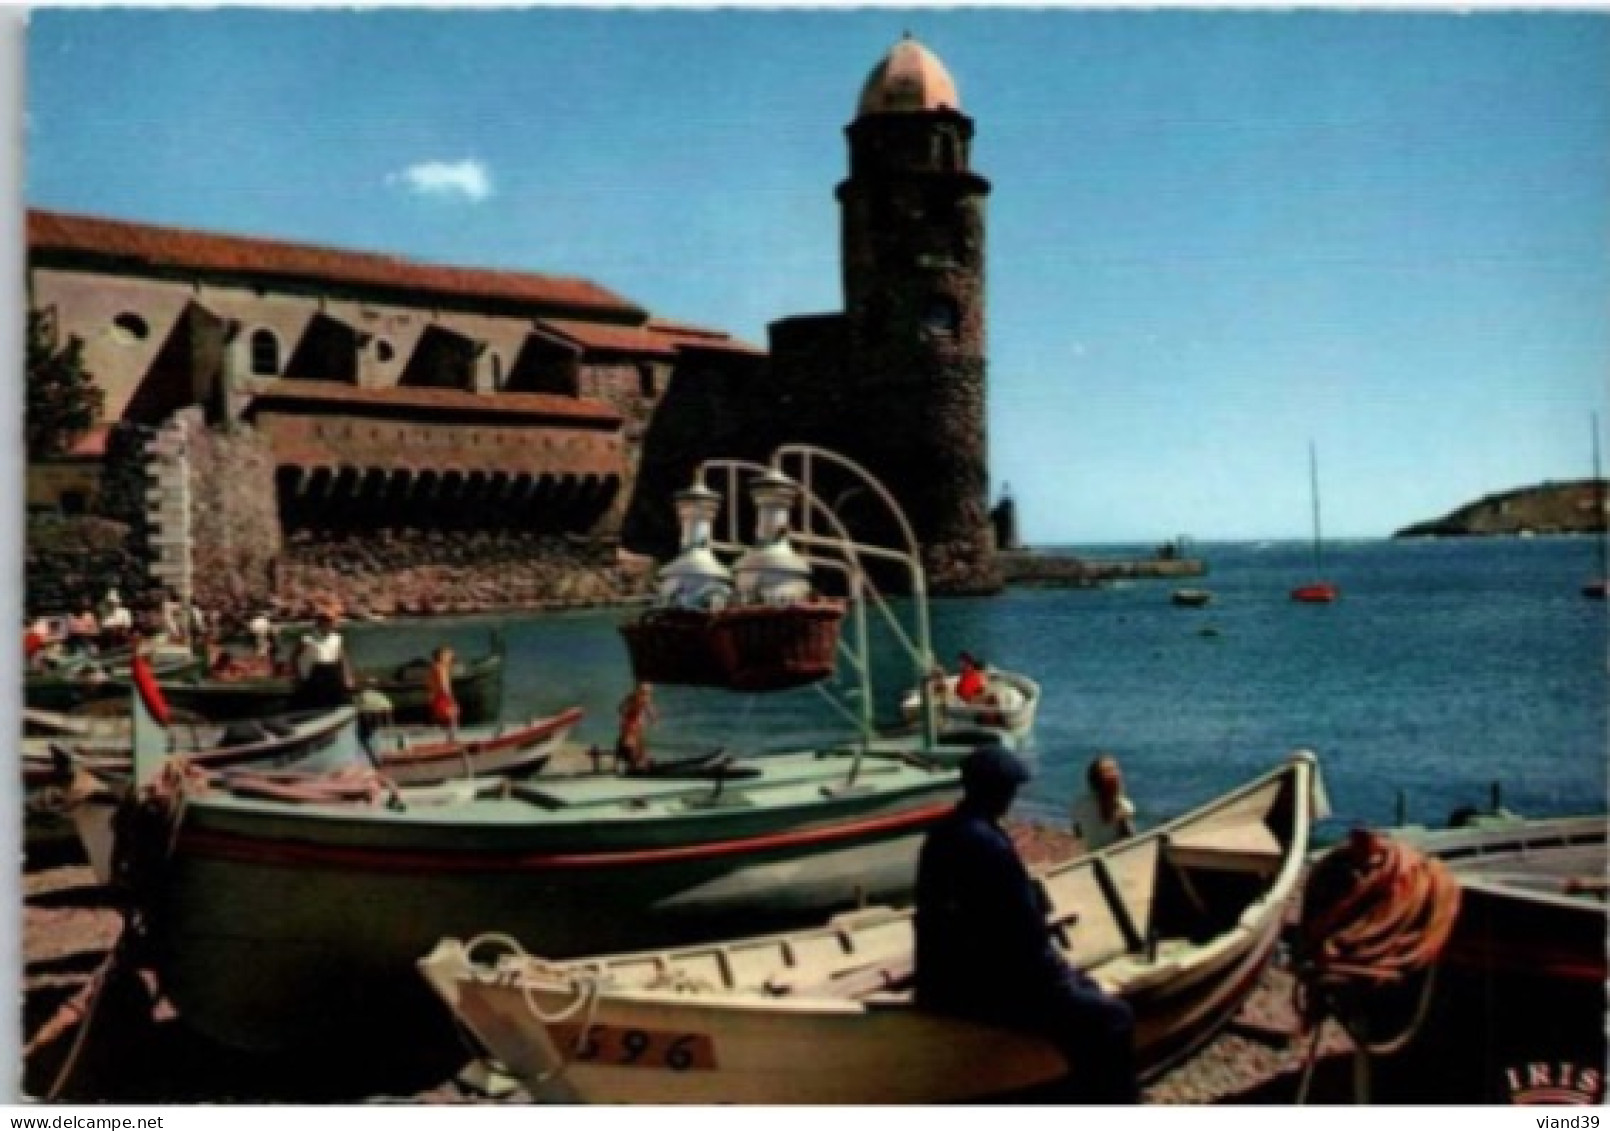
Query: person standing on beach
point(1103, 815)
point(439, 687)
point(984, 950)
point(323, 674)
point(636, 712)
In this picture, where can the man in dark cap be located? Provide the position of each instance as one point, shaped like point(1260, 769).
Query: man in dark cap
point(984, 951)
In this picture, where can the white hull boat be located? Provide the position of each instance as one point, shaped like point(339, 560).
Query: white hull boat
point(1180, 921)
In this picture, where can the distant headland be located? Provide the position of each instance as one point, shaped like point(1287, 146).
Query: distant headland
point(1575, 507)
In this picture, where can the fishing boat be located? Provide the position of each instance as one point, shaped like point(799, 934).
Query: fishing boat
point(86, 683)
point(477, 687)
point(407, 755)
point(1316, 592)
point(329, 901)
point(1005, 707)
point(1519, 1005)
point(425, 755)
point(313, 743)
point(1191, 598)
point(1180, 921)
point(328, 904)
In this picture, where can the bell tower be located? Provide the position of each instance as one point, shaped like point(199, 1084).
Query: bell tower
point(912, 224)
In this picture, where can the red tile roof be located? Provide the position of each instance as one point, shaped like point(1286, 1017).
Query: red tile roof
point(240, 255)
point(578, 409)
point(608, 336)
point(91, 443)
point(688, 336)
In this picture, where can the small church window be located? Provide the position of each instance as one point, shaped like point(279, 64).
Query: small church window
point(384, 350)
point(129, 328)
point(265, 354)
point(645, 380)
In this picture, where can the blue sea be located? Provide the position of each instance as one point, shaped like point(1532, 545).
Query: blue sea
point(1445, 667)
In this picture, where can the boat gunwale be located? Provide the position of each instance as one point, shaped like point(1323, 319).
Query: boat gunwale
point(1246, 929)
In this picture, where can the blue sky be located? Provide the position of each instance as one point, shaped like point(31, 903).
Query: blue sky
point(1212, 237)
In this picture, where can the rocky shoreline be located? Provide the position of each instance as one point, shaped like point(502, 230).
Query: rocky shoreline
point(135, 1050)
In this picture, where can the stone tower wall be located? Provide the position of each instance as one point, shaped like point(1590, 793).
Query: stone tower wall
point(914, 251)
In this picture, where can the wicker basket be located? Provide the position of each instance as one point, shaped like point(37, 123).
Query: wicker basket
point(774, 649)
point(750, 648)
point(675, 646)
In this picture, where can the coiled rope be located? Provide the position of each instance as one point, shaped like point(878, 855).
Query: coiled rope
point(587, 987)
point(1376, 915)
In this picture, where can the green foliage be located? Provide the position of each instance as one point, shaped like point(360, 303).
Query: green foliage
point(63, 400)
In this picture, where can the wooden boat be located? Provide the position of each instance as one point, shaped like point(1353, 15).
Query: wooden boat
point(423, 756)
point(313, 743)
point(1519, 1007)
point(405, 755)
point(1191, 598)
point(329, 904)
point(1006, 707)
point(477, 685)
point(80, 683)
point(1316, 592)
point(1181, 921)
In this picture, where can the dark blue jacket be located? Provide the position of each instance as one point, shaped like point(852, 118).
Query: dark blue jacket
point(983, 949)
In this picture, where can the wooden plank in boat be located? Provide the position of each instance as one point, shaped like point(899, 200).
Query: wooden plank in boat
point(876, 978)
point(1098, 935)
point(1244, 847)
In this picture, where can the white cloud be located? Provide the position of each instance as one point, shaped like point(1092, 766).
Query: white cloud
point(468, 178)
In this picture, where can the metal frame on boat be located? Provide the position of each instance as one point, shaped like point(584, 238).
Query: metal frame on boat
point(328, 903)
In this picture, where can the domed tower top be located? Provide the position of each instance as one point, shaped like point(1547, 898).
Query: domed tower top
point(910, 78)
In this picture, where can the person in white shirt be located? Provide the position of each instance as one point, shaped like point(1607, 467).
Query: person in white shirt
point(262, 630)
point(116, 622)
point(173, 618)
point(1103, 815)
point(323, 675)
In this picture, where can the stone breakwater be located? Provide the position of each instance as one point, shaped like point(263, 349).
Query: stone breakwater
point(424, 573)
point(1032, 568)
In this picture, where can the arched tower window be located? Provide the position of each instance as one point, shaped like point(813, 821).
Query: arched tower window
point(265, 354)
point(940, 315)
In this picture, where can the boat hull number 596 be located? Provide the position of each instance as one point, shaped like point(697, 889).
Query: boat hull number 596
point(636, 1048)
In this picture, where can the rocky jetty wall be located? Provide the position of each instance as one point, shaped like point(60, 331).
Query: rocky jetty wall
point(427, 572)
point(1029, 568)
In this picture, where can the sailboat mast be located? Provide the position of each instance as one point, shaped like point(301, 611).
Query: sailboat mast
point(1313, 490)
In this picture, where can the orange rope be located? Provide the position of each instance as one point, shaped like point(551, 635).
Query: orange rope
point(1375, 912)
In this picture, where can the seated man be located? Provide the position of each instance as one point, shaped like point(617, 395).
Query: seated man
point(984, 951)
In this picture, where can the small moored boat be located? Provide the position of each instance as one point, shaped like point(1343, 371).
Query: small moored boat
point(1005, 707)
point(1180, 921)
point(477, 686)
